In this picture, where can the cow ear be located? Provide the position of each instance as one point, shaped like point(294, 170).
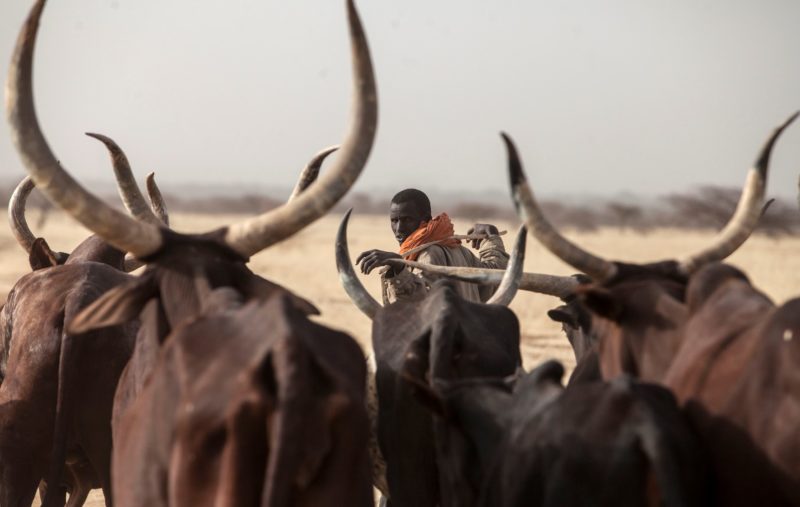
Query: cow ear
point(601, 301)
point(563, 315)
point(41, 256)
point(117, 306)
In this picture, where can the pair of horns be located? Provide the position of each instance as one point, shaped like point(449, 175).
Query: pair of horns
point(132, 198)
point(156, 213)
point(733, 235)
point(144, 237)
point(505, 292)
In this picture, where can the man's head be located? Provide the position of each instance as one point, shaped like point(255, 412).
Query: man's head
point(409, 208)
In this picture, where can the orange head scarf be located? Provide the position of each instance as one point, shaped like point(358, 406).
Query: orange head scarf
point(436, 229)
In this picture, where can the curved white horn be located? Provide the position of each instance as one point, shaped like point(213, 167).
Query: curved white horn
point(253, 235)
point(541, 229)
point(748, 211)
point(551, 285)
point(352, 285)
point(510, 283)
point(16, 214)
point(310, 172)
point(157, 203)
point(118, 229)
point(159, 209)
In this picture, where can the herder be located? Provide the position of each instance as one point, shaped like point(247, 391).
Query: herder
point(413, 226)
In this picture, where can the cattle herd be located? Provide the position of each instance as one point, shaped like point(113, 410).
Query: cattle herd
point(198, 382)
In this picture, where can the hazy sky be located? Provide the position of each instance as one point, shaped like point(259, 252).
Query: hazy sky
point(602, 97)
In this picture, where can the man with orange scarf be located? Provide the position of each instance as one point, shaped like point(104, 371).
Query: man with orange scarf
point(413, 226)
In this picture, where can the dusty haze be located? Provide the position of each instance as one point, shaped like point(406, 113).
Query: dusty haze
point(602, 97)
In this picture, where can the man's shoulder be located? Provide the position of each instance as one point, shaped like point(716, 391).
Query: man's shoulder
point(457, 255)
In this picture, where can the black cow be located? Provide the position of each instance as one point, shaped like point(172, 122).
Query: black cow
point(485, 339)
point(532, 442)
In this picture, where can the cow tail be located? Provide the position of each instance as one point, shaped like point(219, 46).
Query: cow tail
point(66, 363)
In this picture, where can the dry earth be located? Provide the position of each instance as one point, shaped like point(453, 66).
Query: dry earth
point(305, 263)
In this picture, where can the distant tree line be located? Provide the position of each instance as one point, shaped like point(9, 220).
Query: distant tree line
point(705, 208)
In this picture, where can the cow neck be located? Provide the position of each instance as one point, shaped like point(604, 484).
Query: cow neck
point(646, 334)
point(95, 249)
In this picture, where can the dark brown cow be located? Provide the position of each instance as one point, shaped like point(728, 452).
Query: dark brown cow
point(647, 323)
point(646, 299)
point(40, 360)
point(44, 368)
point(198, 290)
point(487, 340)
point(743, 368)
point(249, 404)
point(531, 442)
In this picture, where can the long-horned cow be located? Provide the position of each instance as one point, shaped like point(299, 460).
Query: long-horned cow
point(487, 340)
point(701, 329)
point(44, 424)
point(277, 414)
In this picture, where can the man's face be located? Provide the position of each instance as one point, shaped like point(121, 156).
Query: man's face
point(405, 218)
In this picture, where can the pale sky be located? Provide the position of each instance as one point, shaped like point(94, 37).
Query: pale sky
point(601, 97)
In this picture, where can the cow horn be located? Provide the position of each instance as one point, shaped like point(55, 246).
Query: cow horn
point(118, 229)
point(352, 285)
point(257, 233)
point(511, 278)
point(16, 214)
point(129, 191)
point(748, 211)
point(551, 285)
point(159, 209)
point(311, 171)
point(530, 213)
point(157, 203)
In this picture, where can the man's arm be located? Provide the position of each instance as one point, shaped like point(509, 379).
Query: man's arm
point(491, 254)
point(491, 251)
point(411, 285)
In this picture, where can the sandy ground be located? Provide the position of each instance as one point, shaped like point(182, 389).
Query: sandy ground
point(305, 263)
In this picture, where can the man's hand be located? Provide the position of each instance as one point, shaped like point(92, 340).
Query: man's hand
point(485, 229)
point(372, 259)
